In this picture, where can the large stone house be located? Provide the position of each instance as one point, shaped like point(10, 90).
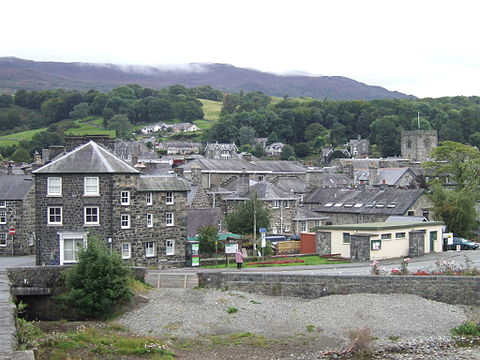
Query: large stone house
point(221, 151)
point(91, 191)
point(17, 215)
point(359, 147)
point(355, 206)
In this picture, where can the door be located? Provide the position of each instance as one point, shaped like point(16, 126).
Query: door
point(433, 238)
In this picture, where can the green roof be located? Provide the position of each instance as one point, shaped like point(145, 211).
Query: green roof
point(378, 226)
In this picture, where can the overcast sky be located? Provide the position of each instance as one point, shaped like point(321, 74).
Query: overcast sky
point(425, 48)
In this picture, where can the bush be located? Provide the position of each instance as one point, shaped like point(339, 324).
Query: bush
point(468, 328)
point(97, 282)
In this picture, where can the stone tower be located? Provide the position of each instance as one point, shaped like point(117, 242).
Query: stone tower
point(418, 144)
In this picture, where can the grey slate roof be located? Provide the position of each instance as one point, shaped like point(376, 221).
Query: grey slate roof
point(304, 214)
point(368, 201)
point(14, 187)
point(265, 191)
point(390, 175)
point(231, 165)
point(280, 166)
point(197, 218)
point(162, 183)
point(335, 179)
point(287, 183)
point(403, 219)
point(89, 158)
point(234, 183)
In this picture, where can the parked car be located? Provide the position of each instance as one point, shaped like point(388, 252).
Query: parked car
point(464, 244)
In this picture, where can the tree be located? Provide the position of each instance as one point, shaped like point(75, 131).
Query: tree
point(5, 101)
point(21, 155)
point(458, 162)
point(97, 282)
point(302, 149)
point(246, 135)
point(208, 238)
point(287, 152)
point(241, 219)
point(80, 111)
point(122, 126)
point(258, 150)
point(456, 209)
point(385, 133)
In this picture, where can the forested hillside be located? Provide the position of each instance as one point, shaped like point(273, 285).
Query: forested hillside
point(32, 75)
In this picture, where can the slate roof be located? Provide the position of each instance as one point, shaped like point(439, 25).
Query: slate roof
point(416, 219)
point(287, 183)
point(280, 166)
point(89, 158)
point(368, 201)
point(265, 191)
point(378, 226)
point(390, 175)
point(197, 218)
point(234, 183)
point(162, 183)
point(304, 214)
point(14, 187)
point(335, 180)
point(231, 165)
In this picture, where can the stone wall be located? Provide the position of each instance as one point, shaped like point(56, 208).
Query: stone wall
point(360, 247)
point(449, 289)
point(416, 243)
point(324, 242)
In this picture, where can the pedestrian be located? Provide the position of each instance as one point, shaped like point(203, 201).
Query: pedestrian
point(239, 258)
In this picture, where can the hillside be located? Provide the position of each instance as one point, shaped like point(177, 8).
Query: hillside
point(31, 75)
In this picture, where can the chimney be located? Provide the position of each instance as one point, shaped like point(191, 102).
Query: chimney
point(244, 183)
point(196, 174)
point(372, 173)
point(9, 169)
point(134, 159)
point(37, 159)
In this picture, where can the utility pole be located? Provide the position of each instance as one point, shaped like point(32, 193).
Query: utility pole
point(418, 120)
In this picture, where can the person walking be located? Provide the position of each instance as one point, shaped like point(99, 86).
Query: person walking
point(239, 258)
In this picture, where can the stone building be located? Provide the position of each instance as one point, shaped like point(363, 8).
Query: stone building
point(221, 151)
point(359, 147)
point(17, 215)
point(91, 191)
point(417, 145)
point(274, 150)
point(354, 206)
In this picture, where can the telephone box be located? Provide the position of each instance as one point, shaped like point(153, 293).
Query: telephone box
point(192, 253)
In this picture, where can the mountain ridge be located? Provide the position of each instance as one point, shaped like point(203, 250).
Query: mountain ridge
point(18, 73)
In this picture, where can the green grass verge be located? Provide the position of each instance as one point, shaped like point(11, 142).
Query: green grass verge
point(211, 109)
point(20, 136)
point(308, 260)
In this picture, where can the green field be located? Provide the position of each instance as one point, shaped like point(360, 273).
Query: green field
point(14, 139)
point(91, 127)
point(211, 109)
point(308, 260)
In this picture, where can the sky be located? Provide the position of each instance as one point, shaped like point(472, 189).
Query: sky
point(424, 48)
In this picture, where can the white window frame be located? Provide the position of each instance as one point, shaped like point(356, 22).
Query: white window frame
point(91, 223)
point(149, 198)
point(125, 221)
point(275, 204)
point(128, 254)
point(3, 217)
point(286, 204)
point(169, 198)
point(87, 189)
point(70, 236)
point(274, 230)
point(149, 220)
point(125, 197)
point(303, 226)
point(49, 214)
point(150, 249)
point(52, 188)
point(287, 228)
point(3, 203)
point(169, 247)
point(3, 239)
point(169, 219)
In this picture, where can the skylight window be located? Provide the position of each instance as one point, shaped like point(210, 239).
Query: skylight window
point(338, 204)
point(370, 205)
point(392, 205)
point(380, 205)
point(358, 205)
point(348, 205)
point(328, 204)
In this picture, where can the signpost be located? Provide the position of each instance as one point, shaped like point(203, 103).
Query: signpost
point(263, 233)
point(230, 248)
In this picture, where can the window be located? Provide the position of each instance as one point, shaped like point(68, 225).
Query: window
point(261, 178)
point(169, 220)
point(3, 239)
point(150, 248)
point(3, 204)
point(286, 204)
point(411, 213)
point(317, 223)
point(54, 215)
point(69, 248)
point(287, 228)
point(91, 216)
point(150, 220)
point(125, 221)
point(125, 197)
point(54, 186)
point(276, 204)
point(91, 186)
point(169, 198)
point(346, 238)
point(386, 236)
point(303, 226)
point(426, 214)
point(126, 251)
point(400, 235)
point(3, 217)
point(170, 247)
point(149, 198)
point(274, 230)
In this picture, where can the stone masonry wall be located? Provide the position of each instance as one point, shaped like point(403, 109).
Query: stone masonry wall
point(360, 247)
point(324, 242)
point(449, 289)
